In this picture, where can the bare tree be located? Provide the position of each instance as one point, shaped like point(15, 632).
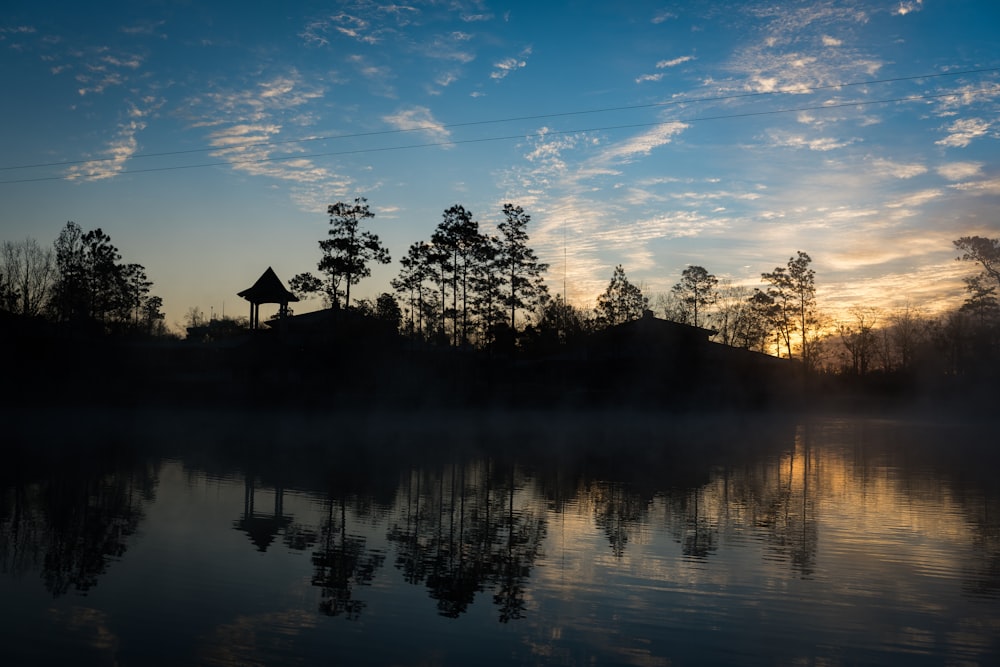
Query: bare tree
point(27, 272)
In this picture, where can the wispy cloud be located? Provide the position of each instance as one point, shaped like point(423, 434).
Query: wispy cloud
point(506, 66)
point(663, 64)
point(785, 139)
point(418, 118)
point(957, 171)
point(907, 7)
point(674, 62)
point(118, 151)
point(963, 131)
point(644, 143)
point(884, 167)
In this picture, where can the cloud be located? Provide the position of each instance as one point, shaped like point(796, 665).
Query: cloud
point(784, 139)
point(674, 62)
point(883, 167)
point(476, 18)
point(644, 143)
point(649, 77)
point(663, 64)
point(662, 17)
point(963, 131)
point(956, 171)
point(122, 147)
point(907, 7)
point(418, 118)
point(508, 65)
point(987, 187)
point(831, 41)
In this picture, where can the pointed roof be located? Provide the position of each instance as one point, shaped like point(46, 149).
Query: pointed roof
point(268, 289)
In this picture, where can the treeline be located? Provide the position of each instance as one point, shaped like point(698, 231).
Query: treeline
point(80, 282)
point(463, 287)
point(460, 287)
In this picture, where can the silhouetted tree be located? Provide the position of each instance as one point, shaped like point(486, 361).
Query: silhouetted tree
point(793, 288)
point(458, 235)
point(522, 270)
point(982, 299)
point(26, 274)
point(488, 281)
point(561, 322)
point(621, 302)
point(349, 250)
point(696, 289)
point(304, 285)
point(859, 338)
point(414, 271)
point(984, 251)
point(92, 283)
point(384, 308)
point(758, 322)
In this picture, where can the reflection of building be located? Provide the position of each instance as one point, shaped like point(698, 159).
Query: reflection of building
point(262, 528)
point(267, 289)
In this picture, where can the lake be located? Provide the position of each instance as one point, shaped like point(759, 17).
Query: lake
point(456, 538)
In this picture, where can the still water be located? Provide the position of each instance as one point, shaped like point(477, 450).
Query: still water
point(409, 539)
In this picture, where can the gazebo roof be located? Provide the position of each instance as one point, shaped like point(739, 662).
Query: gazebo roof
point(268, 289)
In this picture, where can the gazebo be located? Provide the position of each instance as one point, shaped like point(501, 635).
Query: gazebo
point(267, 289)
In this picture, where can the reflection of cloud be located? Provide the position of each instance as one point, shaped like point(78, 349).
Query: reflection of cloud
point(91, 624)
point(259, 639)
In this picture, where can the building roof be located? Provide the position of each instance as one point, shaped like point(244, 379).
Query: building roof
point(268, 289)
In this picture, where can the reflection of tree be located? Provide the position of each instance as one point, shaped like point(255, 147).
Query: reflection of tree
point(74, 522)
point(341, 564)
point(617, 512)
point(699, 534)
point(460, 532)
point(514, 557)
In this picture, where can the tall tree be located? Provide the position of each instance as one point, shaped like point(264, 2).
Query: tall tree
point(415, 269)
point(793, 288)
point(26, 275)
point(621, 302)
point(982, 299)
point(522, 270)
point(348, 250)
point(71, 289)
point(984, 251)
point(488, 282)
point(458, 235)
point(696, 290)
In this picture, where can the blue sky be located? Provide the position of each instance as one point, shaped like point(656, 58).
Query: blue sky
point(208, 138)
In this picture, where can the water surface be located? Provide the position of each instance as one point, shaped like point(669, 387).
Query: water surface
point(456, 539)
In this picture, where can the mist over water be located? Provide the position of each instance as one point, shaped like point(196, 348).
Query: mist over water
point(454, 538)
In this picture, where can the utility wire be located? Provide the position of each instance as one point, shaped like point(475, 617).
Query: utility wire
point(560, 114)
point(458, 142)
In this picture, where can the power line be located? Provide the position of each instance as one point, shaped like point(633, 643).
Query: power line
point(560, 114)
point(458, 142)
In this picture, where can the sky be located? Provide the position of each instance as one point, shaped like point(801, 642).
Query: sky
point(209, 138)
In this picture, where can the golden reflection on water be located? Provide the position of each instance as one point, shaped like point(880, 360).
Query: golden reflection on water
point(856, 536)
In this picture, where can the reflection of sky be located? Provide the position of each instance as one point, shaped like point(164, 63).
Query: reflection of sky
point(820, 552)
